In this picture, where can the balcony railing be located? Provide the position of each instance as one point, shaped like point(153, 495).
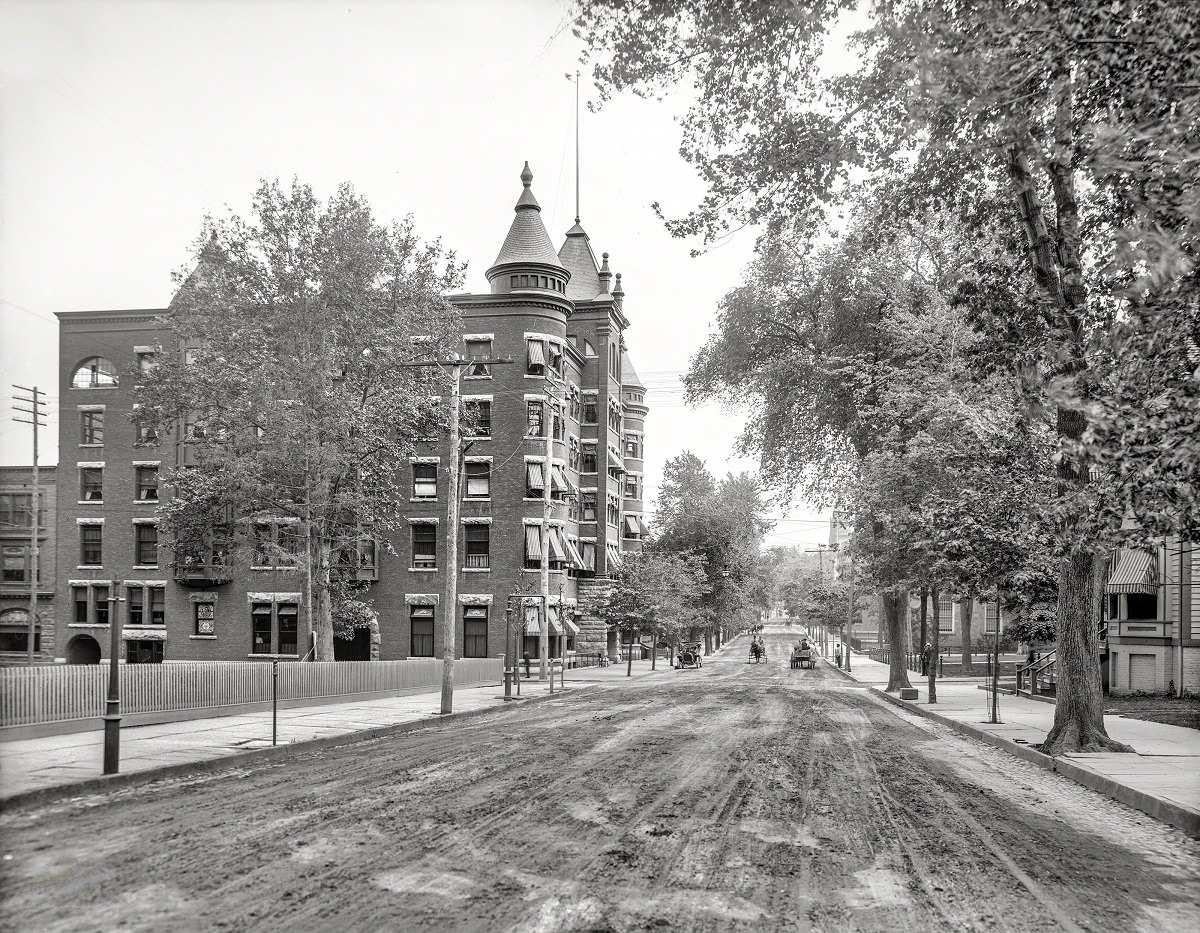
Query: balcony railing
point(209, 574)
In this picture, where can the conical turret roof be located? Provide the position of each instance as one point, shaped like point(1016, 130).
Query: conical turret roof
point(629, 376)
point(577, 257)
point(527, 241)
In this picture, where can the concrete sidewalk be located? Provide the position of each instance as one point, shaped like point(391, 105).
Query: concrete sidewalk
point(1162, 779)
point(73, 762)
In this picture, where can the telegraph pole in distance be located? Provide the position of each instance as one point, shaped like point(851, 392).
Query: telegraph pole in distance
point(35, 419)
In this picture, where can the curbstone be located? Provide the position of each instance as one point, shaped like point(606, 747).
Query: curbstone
point(1164, 811)
point(103, 783)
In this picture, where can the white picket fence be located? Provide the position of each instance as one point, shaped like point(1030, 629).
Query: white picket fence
point(65, 692)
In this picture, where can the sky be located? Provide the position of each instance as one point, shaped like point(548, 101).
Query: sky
point(124, 123)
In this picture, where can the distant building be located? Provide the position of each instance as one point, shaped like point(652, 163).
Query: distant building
point(16, 565)
point(1152, 619)
point(558, 315)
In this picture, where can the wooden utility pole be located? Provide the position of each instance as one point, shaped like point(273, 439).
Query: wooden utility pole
point(547, 471)
point(449, 613)
point(35, 403)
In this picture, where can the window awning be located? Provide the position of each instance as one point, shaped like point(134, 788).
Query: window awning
point(533, 476)
point(642, 525)
point(573, 554)
point(572, 628)
point(558, 479)
point(537, 355)
point(533, 542)
point(552, 614)
point(1135, 572)
point(632, 525)
point(589, 556)
point(614, 557)
point(558, 550)
point(533, 624)
point(572, 489)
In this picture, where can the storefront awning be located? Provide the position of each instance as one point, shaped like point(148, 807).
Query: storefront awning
point(533, 542)
point(1135, 572)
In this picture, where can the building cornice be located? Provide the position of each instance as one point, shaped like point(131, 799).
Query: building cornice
point(511, 300)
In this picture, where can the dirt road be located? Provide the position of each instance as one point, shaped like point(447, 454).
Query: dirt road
point(736, 797)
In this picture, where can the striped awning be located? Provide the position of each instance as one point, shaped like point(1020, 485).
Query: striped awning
point(558, 550)
point(643, 526)
point(533, 476)
point(558, 479)
point(533, 542)
point(571, 626)
point(533, 621)
point(537, 355)
point(632, 525)
point(614, 557)
point(573, 555)
point(1134, 572)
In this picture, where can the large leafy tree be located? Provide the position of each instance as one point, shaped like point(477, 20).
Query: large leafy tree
point(721, 524)
point(656, 593)
point(1082, 117)
point(298, 375)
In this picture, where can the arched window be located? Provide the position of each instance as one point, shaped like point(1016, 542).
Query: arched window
point(94, 373)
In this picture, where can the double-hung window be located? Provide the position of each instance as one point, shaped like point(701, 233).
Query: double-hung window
point(534, 418)
point(145, 605)
point(478, 545)
point(424, 546)
point(478, 416)
point(91, 484)
point(146, 544)
point(420, 622)
point(274, 628)
point(424, 480)
point(478, 478)
point(475, 626)
point(91, 545)
point(91, 428)
point(478, 352)
point(147, 483)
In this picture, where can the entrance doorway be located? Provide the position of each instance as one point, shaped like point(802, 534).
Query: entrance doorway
point(357, 648)
point(83, 649)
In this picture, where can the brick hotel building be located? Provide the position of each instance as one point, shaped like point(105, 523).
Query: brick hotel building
point(558, 315)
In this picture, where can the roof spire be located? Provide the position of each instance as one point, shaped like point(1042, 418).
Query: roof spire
point(527, 200)
point(577, 146)
point(605, 275)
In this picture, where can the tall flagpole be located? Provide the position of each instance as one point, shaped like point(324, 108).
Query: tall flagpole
point(576, 147)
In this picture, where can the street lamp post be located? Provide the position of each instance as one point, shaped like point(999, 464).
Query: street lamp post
point(112, 706)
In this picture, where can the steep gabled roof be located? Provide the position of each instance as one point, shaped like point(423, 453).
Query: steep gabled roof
point(629, 376)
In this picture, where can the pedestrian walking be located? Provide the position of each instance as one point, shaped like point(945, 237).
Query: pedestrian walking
point(838, 655)
point(926, 654)
point(526, 657)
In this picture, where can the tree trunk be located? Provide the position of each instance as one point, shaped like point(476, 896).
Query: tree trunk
point(376, 638)
point(322, 606)
point(1079, 709)
point(968, 607)
point(933, 657)
point(924, 640)
point(893, 602)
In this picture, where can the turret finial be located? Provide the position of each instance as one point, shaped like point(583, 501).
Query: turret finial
point(526, 176)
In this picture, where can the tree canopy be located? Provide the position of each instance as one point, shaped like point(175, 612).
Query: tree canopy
point(297, 376)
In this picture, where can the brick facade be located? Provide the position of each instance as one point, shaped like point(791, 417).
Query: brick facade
point(16, 497)
point(567, 307)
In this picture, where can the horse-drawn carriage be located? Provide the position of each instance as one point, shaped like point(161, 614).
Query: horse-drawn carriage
point(689, 657)
point(758, 650)
point(803, 656)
